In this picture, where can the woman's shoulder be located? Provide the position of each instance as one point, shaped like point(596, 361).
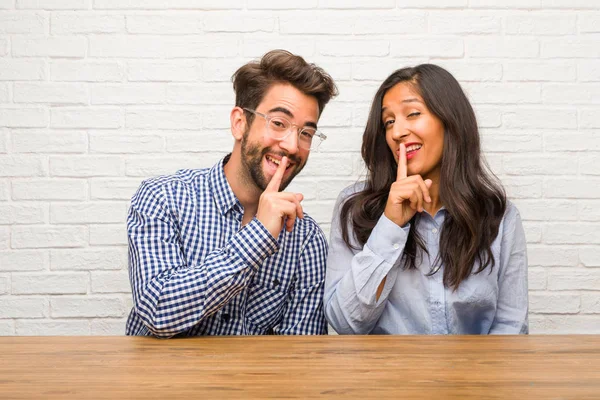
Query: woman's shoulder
point(351, 189)
point(511, 218)
point(511, 211)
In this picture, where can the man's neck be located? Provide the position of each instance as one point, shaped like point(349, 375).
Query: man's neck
point(246, 192)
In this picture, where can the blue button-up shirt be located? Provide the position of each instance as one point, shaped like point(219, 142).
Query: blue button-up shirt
point(195, 270)
point(414, 302)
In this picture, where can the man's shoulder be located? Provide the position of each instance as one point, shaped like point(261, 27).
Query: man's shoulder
point(183, 177)
point(308, 228)
point(184, 182)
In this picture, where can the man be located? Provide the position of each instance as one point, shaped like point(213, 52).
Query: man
point(223, 250)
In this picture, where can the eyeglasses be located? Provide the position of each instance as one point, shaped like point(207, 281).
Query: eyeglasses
point(280, 128)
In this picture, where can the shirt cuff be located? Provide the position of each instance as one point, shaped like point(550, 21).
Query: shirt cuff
point(253, 243)
point(387, 239)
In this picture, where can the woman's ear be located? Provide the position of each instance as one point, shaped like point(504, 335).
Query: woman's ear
point(238, 123)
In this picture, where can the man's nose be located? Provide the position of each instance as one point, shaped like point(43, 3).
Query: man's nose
point(290, 143)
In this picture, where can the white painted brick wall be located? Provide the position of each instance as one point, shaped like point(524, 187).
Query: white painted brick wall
point(53, 327)
point(83, 71)
point(113, 189)
point(48, 236)
point(85, 166)
point(13, 117)
point(73, 23)
point(22, 70)
point(49, 189)
point(108, 235)
point(4, 188)
point(110, 282)
point(93, 259)
point(87, 212)
point(4, 238)
point(107, 326)
point(24, 260)
point(80, 117)
point(53, 4)
point(589, 70)
point(4, 93)
point(3, 46)
point(89, 306)
point(97, 95)
point(50, 283)
point(56, 93)
point(39, 141)
point(4, 284)
point(54, 46)
point(23, 214)
point(21, 166)
point(23, 307)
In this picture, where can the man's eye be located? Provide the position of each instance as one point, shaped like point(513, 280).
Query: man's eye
point(308, 134)
point(278, 124)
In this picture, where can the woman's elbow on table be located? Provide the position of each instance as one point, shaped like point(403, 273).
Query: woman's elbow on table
point(346, 321)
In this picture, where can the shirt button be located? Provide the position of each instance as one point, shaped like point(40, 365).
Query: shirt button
point(225, 318)
point(434, 230)
point(396, 246)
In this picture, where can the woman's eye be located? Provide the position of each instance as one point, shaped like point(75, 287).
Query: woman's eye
point(388, 123)
point(414, 114)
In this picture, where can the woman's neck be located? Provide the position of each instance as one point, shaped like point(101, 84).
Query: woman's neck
point(436, 203)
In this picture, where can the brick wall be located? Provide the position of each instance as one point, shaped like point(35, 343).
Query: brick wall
point(96, 95)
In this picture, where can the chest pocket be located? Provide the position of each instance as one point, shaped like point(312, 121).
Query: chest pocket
point(267, 297)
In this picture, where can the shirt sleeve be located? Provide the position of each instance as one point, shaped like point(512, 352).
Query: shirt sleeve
point(512, 308)
point(353, 276)
point(169, 295)
point(304, 310)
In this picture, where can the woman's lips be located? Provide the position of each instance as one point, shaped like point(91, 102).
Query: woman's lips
point(410, 154)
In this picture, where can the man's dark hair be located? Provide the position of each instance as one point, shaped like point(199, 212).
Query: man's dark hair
point(252, 81)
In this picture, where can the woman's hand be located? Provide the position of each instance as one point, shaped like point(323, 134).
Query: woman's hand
point(407, 194)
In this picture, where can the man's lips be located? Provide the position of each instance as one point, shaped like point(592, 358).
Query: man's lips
point(275, 161)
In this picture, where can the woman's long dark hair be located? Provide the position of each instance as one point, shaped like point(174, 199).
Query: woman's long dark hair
point(474, 199)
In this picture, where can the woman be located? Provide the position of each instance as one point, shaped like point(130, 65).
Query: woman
point(428, 244)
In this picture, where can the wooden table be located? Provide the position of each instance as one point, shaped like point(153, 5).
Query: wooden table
point(423, 367)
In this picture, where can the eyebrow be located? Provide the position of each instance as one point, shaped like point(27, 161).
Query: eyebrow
point(409, 100)
point(289, 114)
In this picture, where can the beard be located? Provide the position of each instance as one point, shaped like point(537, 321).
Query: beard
point(252, 160)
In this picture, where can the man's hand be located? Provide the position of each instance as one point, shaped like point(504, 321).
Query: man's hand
point(407, 194)
point(275, 208)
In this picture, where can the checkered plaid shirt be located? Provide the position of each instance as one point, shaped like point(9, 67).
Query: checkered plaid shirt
point(194, 270)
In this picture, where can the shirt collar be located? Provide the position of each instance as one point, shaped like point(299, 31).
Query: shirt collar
point(441, 212)
point(224, 197)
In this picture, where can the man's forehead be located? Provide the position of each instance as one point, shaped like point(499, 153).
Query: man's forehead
point(287, 100)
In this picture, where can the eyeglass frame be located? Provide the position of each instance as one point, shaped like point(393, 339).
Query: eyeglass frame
point(299, 129)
